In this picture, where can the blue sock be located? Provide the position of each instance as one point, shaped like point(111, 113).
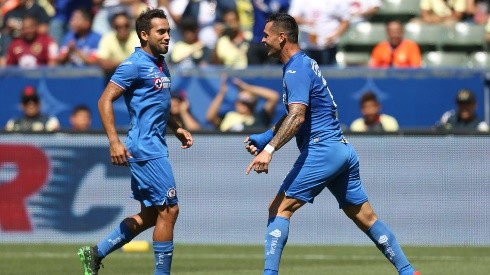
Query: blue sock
point(276, 237)
point(120, 236)
point(163, 257)
point(386, 242)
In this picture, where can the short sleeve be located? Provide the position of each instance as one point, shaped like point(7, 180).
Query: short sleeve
point(126, 73)
point(297, 86)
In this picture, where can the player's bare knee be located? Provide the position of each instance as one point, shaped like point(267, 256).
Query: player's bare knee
point(168, 213)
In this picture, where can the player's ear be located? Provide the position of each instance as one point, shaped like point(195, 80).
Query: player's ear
point(282, 37)
point(144, 35)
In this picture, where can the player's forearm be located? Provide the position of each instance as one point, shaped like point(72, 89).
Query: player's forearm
point(173, 124)
point(107, 117)
point(190, 123)
point(287, 130)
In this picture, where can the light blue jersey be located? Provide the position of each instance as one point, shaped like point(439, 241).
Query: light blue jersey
point(146, 81)
point(303, 83)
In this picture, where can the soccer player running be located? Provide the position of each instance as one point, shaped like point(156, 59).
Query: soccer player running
point(144, 81)
point(326, 158)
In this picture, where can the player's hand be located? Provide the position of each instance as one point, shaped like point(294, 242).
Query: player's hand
point(185, 137)
point(119, 153)
point(260, 163)
point(257, 142)
point(250, 147)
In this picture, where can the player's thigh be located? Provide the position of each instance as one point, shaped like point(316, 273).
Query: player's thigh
point(153, 182)
point(314, 169)
point(347, 186)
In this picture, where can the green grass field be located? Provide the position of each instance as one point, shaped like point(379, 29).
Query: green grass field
point(235, 260)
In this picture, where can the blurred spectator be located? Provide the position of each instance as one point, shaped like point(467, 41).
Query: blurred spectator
point(102, 19)
point(207, 13)
point(232, 46)
point(245, 13)
point(397, 51)
point(58, 26)
point(321, 24)
point(118, 44)
point(363, 10)
point(31, 49)
point(442, 11)
point(4, 43)
point(32, 120)
point(487, 32)
point(479, 11)
point(12, 20)
point(7, 5)
point(244, 116)
point(80, 43)
point(81, 118)
point(47, 5)
point(262, 9)
point(464, 118)
point(176, 33)
point(180, 111)
point(372, 119)
point(190, 51)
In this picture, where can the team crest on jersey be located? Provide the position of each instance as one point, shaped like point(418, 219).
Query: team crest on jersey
point(161, 82)
point(171, 193)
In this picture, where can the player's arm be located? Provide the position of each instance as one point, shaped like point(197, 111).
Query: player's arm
point(285, 130)
point(182, 134)
point(118, 151)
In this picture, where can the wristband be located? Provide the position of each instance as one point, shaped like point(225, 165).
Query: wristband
point(269, 149)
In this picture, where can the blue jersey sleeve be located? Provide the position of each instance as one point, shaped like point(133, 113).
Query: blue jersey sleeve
point(126, 73)
point(297, 86)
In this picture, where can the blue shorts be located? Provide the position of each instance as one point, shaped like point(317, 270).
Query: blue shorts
point(152, 182)
point(331, 164)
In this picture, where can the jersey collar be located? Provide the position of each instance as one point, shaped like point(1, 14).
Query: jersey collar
point(151, 57)
point(295, 56)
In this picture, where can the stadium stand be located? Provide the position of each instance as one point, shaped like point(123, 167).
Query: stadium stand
point(403, 10)
point(346, 59)
point(444, 59)
point(362, 37)
point(479, 60)
point(428, 37)
point(464, 37)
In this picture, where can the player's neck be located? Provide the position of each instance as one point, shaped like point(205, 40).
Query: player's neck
point(288, 51)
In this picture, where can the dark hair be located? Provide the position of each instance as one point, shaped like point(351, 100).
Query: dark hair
point(283, 22)
point(79, 108)
point(86, 14)
point(189, 24)
point(143, 22)
point(234, 11)
point(369, 96)
point(119, 13)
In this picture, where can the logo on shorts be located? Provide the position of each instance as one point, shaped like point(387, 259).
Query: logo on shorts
point(171, 193)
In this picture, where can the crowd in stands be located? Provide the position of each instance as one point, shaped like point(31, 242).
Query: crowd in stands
point(220, 32)
point(226, 33)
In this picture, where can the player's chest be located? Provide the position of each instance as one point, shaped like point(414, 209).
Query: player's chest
point(155, 78)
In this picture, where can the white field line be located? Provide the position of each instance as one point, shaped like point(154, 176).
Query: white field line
point(223, 256)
